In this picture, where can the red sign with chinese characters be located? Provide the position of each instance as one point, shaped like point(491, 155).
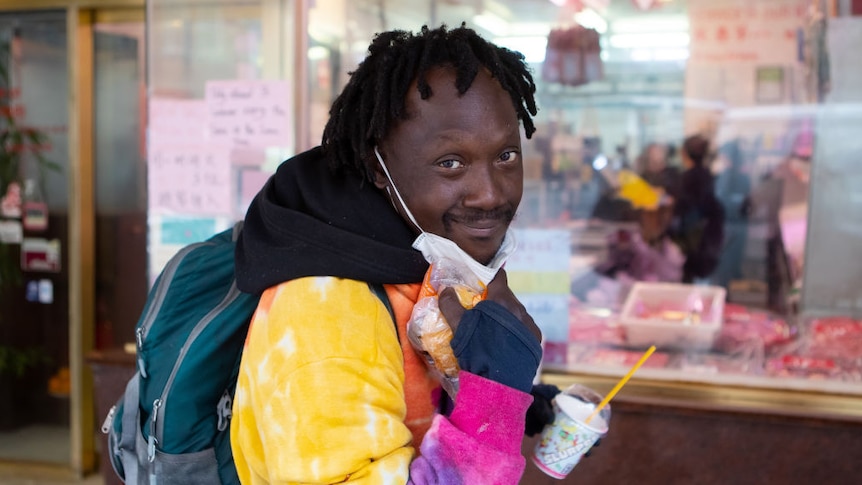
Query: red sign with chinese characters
point(729, 31)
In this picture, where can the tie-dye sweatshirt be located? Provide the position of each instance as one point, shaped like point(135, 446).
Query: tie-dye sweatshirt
point(330, 392)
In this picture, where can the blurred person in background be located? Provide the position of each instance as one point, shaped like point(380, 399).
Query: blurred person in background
point(654, 167)
point(733, 189)
point(698, 222)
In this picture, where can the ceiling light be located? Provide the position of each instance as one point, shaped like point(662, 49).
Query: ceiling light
point(649, 39)
point(651, 23)
point(591, 20)
point(492, 23)
point(533, 47)
point(317, 52)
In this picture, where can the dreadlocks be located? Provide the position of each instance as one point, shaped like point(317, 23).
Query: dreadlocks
point(375, 95)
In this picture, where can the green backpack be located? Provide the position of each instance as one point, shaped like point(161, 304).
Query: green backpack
point(172, 424)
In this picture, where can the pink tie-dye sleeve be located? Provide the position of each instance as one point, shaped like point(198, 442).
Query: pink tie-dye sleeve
point(480, 443)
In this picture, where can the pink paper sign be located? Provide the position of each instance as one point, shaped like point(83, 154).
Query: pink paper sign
point(176, 121)
point(251, 183)
point(189, 179)
point(187, 174)
point(248, 113)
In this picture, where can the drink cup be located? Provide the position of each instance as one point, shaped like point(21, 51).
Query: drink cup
point(563, 442)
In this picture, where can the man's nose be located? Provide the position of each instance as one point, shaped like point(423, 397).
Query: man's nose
point(485, 188)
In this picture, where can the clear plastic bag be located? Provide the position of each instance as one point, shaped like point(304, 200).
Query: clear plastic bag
point(428, 330)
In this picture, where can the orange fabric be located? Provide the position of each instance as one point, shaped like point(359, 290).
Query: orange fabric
point(466, 295)
point(419, 384)
point(263, 306)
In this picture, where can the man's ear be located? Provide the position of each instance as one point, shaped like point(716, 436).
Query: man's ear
point(380, 180)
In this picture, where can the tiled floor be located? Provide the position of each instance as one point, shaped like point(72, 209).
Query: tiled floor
point(38, 443)
point(91, 480)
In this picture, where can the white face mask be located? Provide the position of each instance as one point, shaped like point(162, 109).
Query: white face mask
point(435, 248)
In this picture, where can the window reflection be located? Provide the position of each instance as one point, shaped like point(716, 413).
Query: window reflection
point(679, 142)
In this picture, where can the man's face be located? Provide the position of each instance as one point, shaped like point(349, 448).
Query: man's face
point(457, 161)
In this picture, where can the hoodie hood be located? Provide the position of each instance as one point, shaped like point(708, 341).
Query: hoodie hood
point(306, 221)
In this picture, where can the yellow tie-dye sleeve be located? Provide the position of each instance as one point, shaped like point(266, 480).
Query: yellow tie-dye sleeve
point(320, 395)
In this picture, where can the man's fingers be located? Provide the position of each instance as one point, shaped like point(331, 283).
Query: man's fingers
point(450, 307)
point(499, 291)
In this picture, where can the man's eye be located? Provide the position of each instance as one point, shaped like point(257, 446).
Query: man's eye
point(451, 164)
point(509, 156)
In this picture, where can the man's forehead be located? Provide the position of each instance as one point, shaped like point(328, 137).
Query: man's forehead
point(439, 78)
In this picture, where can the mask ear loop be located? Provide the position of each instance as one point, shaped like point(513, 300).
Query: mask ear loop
point(397, 193)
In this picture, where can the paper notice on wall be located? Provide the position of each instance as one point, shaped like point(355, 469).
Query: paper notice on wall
point(724, 31)
point(541, 251)
point(182, 231)
point(11, 232)
point(189, 179)
point(551, 314)
point(538, 273)
point(251, 181)
point(187, 174)
point(40, 255)
point(176, 121)
point(247, 113)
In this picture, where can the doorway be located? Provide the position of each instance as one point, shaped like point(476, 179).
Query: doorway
point(34, 169)
point(72, 273)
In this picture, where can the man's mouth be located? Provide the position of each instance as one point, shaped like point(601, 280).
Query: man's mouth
point(483, 229)
point(484, 226)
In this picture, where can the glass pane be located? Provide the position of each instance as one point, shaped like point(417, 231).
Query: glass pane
point(773, 89)
point(34, 307)
point(211, 65)
point(121, 203)
point(831, 284)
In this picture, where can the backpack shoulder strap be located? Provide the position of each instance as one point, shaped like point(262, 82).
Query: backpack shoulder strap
point(237, 229)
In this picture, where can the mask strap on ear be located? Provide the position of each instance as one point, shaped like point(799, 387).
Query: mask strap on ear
point(397, 193)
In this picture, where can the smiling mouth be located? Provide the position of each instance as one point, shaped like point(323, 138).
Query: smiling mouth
point(482, 224)
point(484, 229)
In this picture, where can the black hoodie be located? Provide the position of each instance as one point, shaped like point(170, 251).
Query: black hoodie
point(308, 222)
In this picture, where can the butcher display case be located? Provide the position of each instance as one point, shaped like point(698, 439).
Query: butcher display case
point(758, 374)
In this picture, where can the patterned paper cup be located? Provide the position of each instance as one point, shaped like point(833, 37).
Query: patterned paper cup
point(564, 442)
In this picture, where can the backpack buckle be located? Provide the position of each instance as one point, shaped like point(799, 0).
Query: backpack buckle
point(224, 410)
point(151, 448)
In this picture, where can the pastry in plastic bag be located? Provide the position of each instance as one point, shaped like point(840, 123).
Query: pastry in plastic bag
point(428, 330)
point(451, 267)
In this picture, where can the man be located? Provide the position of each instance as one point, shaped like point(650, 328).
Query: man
point(425, 137)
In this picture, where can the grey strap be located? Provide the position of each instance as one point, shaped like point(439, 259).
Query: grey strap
point(237, 229)
point(128, 438)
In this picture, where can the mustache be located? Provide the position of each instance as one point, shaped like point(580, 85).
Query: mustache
point(504, 214)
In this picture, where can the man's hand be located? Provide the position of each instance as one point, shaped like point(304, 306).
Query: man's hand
point(497, 339)
point(499, 292)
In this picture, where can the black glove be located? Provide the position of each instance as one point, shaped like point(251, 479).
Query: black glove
point(595, 445)
point(541, 412)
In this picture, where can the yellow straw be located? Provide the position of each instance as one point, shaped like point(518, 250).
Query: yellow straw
point(620, 384)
